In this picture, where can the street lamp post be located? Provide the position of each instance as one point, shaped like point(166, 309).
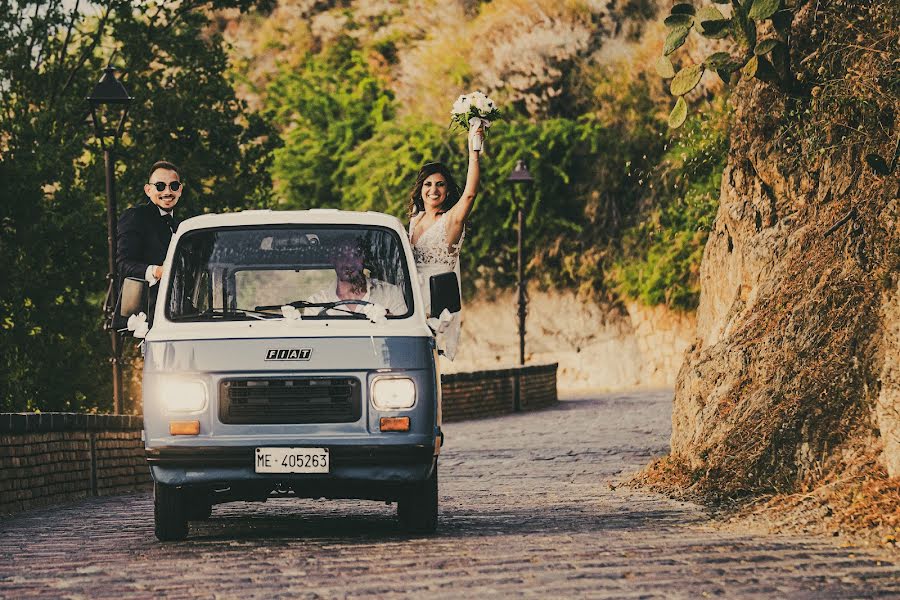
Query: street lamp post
point(520, 175)
point(108, 100)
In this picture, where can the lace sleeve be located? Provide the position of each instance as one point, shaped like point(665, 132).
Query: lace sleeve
point(432, 248)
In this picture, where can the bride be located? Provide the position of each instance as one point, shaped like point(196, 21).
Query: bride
point(437, 227)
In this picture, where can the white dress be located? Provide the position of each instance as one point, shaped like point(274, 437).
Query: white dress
point(433, 255)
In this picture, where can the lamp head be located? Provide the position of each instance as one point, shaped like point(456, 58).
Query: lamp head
point(109, 90)
point(520, 174)
point(108, 101)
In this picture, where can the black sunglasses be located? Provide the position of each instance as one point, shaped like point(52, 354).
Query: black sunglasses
point(161, 186)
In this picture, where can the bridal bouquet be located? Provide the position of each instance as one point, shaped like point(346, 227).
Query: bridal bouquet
point(471, 111)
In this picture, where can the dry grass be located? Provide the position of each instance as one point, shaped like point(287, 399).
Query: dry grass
point(857, 503)
point(516, 51)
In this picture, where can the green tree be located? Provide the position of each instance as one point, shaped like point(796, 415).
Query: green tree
point(582, 190)
point(324, 111)
point(52, 219)
point(343, 148)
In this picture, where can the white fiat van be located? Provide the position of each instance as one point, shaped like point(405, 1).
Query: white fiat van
point(260, 381)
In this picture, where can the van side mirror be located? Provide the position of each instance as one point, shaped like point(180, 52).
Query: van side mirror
point(132, 300)
point(444, 290)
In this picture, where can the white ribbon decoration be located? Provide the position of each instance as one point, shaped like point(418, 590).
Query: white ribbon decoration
point(138, 324)
point(439, 324)
point(290, 312)
point(375, 312)
point(292, 316)
point(474, 124)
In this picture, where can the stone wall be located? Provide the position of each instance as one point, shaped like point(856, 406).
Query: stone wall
point(51, 458)
point(478, 394)
point(596, 346)
point(56, 457)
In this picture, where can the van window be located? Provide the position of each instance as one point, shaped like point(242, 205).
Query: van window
point(240, 273)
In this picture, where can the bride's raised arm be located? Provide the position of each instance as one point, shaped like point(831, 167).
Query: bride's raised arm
point(459, 213)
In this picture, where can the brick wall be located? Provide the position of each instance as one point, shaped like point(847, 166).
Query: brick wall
point(55, 457)
point(538, 387)
point(478, 394)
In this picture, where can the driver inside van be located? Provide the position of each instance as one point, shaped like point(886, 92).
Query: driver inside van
point(352, 283)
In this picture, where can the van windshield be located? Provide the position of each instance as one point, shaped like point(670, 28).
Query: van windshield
point(241, 273)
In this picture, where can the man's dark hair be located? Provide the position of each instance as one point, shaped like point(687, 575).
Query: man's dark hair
point(163, 164)
point(353, 244)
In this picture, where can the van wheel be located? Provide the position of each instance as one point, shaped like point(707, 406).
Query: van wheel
point(199, 510)
point(197, 507)
point(169, 513)
point(418, 507)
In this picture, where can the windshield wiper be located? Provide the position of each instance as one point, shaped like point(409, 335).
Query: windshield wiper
point(295, 304)
point(336, 306)
point(237, 312)
point(325, 306)
point(259, 314)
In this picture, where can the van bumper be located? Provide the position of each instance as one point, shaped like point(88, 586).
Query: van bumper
point(204, 466)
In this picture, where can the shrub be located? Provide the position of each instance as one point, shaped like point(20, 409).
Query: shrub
point(324, 111)
point(661, 253)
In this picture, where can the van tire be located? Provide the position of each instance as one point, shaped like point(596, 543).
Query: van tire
point(198, 506)
point(169, 515)
point(417, 509)
point(199, 510)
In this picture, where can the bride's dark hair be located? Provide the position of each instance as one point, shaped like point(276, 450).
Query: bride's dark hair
point(428, 169)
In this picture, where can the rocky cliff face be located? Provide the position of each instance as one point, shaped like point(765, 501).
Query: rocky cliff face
point(794, 375)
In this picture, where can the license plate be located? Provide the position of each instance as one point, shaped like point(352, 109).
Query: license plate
point(292, 460)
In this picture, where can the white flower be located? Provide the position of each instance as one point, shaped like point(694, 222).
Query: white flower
point(469, 107)
point(481, 102)
point(462, 105)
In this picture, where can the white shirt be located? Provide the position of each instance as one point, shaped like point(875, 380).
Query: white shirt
point(387, 295)
point(149, 275)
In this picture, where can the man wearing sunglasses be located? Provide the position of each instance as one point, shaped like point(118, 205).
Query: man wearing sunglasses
point(144, 231)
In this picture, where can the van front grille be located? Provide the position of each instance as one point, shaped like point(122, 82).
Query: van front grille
point(295, 400)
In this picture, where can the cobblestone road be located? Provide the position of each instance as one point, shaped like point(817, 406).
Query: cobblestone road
point(526, 510)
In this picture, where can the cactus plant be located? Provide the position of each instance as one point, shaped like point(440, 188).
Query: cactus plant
point(664, 67)
point(764, 59)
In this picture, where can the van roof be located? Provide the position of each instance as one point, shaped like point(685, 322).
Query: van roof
point(313, 216)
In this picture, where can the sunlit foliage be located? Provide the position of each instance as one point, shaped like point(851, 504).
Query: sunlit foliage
point(660, 261)
point(324, 110)
point(53, 352)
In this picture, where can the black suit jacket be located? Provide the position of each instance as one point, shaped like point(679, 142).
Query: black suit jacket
point(142, 239)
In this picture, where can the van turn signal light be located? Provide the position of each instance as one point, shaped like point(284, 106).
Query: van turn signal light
point(184, 427)
point(395, 423)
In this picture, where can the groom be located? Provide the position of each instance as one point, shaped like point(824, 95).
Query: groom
point(144, 231)
point(352, 283)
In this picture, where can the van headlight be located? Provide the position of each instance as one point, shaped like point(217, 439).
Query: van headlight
point(183, 395)
point(391, 393)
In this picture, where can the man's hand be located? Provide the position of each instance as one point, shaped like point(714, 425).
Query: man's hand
point(158, 272)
